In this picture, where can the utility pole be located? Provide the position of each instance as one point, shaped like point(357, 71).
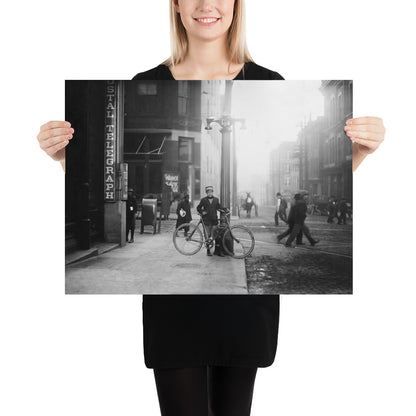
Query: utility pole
point(226, 147)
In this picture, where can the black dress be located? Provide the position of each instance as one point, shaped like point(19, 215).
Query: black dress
point(199, 330)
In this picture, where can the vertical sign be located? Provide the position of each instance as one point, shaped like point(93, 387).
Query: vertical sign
point(109, 143)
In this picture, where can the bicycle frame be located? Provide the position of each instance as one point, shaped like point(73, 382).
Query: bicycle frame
point(194, 234)
point(205, 232)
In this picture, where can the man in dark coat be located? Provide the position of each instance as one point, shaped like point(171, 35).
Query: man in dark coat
point(342, 209)
point(290, 221)
point(296, 221)
point(332, 209)
point(184, 213)
point(131, 210)
point(291, 224)
point(208, 208)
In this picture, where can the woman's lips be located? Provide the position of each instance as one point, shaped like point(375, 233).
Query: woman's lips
point(207, 21)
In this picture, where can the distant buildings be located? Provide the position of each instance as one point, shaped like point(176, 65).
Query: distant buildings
point(284, 170)
point(336, 168)
point(320, 160)
point(311, 149)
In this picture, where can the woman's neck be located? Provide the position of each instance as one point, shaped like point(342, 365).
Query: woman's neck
point(206, 60)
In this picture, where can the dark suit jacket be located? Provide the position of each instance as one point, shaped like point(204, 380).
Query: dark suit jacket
point(297, 213)
point(210, 208)
point(131, 206)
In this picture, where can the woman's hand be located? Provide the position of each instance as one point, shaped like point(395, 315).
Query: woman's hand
point(53, 137)
point(366, 133)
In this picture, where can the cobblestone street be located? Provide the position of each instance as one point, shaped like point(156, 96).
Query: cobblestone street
point(324, 268)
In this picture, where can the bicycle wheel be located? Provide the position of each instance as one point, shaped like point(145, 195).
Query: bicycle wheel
point(238, 241)
point(188, 239)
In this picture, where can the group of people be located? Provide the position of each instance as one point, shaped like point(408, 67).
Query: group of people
point(207, 208)
point(337, 209)
point(295, 221)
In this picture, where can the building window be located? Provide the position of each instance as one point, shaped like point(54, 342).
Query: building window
point(147, 88)
point(185, 149)
point(183, 97)
point(146, 102)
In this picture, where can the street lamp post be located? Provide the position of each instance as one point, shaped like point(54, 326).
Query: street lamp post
point(226, 124)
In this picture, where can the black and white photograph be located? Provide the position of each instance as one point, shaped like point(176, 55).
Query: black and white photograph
point(208, 187)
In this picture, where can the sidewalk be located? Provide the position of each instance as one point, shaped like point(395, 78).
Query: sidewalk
point(152, 265)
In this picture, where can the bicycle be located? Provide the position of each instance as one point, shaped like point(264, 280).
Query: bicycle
point(188, 239)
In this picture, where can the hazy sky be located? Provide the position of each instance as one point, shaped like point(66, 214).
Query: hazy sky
point(273, 112)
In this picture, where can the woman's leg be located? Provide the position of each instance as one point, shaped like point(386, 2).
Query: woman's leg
point(230, 390)
point(182, 391)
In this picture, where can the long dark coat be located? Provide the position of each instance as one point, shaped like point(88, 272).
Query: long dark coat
point(183, 206)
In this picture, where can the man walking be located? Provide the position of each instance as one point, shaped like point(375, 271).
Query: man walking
point(208, 208)
point(297, 216)
point(281, 207)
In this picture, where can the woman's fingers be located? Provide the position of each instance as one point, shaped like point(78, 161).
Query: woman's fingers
point(53, 124)
point(54, 136)
point(375, 128)
point(54, 132)
point(364, 120)
point(366, 135)
point(53, 141)
point(367, 132)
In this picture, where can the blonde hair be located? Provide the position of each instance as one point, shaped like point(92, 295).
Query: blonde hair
point(236, 40)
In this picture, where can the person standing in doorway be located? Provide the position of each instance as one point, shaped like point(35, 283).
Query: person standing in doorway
point(131, 211)
point(166, 200)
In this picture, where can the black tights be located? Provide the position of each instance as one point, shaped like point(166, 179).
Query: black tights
point(205, 391)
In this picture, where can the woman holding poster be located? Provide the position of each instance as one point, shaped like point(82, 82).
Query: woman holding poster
point(205, 350)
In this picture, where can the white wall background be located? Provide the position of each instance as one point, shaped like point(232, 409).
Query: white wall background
point(82, 355)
